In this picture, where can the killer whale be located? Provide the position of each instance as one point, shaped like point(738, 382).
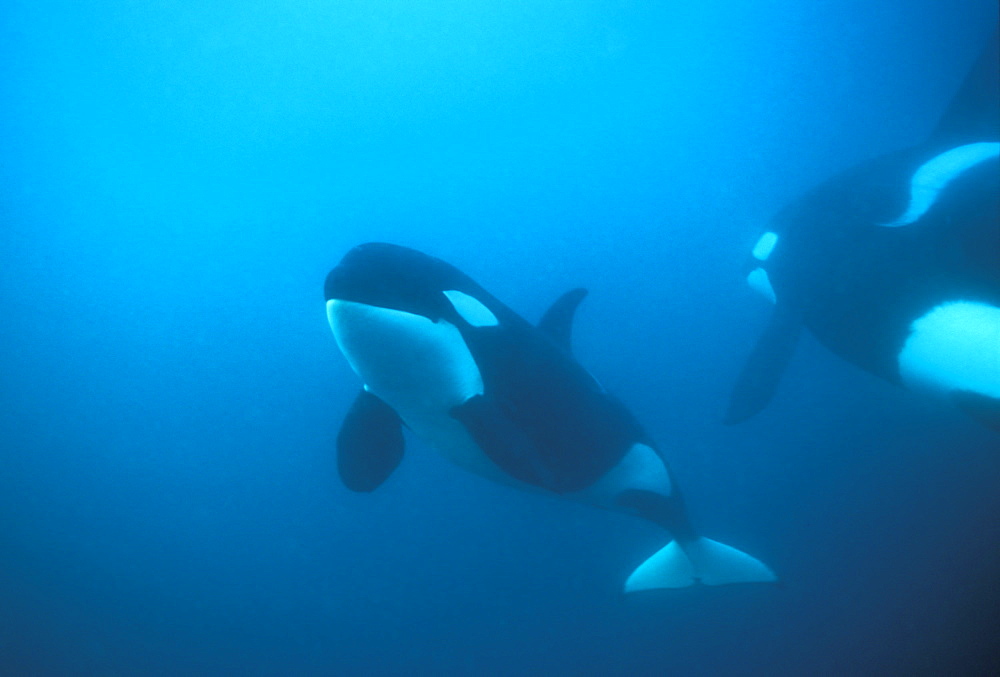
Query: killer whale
point(502, 399)
point(894, 265)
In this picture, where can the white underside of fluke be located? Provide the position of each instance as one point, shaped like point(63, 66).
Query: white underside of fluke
point(700, 561)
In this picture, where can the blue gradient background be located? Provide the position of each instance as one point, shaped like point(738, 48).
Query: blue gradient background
point(176, 179)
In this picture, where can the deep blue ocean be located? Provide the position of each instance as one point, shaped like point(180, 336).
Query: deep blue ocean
point(177, 178)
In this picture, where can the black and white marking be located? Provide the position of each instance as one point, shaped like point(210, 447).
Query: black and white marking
point(501, 399)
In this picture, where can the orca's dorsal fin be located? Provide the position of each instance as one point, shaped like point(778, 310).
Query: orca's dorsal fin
point(369, 444)
point(974, 114)
point(557, 322)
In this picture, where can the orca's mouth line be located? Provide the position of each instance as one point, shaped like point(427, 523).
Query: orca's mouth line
point(380, 306)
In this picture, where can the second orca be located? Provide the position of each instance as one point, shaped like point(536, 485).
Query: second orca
point(895, 265)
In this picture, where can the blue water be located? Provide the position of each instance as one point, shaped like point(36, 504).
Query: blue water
point(177, 178)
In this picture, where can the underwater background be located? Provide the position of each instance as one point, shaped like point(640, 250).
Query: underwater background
point(177, 178)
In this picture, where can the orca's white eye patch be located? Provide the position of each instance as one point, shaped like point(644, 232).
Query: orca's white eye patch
point(932, 177)
point(761, 283)
point(470, 309)
point(765, 245)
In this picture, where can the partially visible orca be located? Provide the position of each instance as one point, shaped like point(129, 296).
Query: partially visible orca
point(501, 399)
point(895, 265)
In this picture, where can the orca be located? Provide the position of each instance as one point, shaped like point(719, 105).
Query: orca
point(503, 399)
point(894, 265)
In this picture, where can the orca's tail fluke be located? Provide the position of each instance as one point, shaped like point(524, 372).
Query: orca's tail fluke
point(699, 561)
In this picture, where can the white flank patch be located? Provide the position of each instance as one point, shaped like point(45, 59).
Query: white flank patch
point(765, 245)
point(471, 309)
point(937, 173)
point(956, 346)
point(641, 468)
point(761, 283)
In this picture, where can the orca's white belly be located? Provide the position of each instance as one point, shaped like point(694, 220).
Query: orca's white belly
point(954, 347)
point(422, 369)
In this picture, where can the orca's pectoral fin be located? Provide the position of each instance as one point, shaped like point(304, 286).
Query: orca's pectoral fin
point(983, 408)
point(762, 371)
point(503, 442)
point(370, 443)
point(557, 322)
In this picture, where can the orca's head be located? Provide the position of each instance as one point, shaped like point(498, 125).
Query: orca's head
point(396, 278)
point(399, 315)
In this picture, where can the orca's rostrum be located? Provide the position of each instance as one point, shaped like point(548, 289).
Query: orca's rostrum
point(502, 399)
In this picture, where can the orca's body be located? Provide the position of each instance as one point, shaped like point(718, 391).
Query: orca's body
point(895, 265)
point(502, 399)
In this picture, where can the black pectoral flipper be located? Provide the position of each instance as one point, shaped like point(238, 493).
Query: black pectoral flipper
point(557, 322)
point(504, 443)
point(762, 372)
point(370, 443)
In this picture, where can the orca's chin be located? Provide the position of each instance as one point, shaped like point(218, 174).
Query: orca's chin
point(406, 359)
point(365, 327)
point(376, 302)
